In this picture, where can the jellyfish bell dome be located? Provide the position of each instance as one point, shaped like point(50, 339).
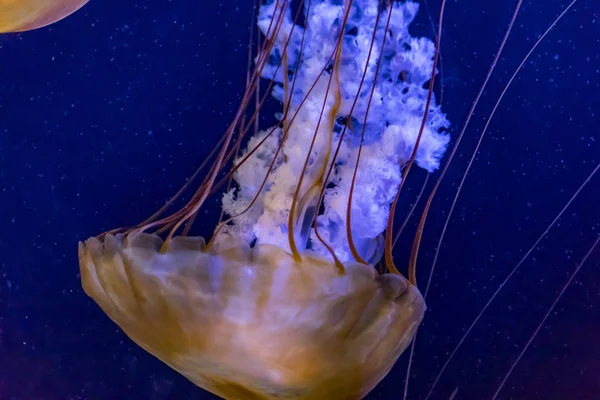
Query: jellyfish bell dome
point(252, 323)
point(26, 15)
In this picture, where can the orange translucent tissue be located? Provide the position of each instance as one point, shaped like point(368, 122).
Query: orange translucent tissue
point(26, 15)
point(251, 323)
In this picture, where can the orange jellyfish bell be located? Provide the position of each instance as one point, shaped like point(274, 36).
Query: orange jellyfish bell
point(284, 301)
point(26, 15)
point(252, 323)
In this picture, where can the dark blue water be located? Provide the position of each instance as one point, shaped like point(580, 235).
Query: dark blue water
point(104, 115)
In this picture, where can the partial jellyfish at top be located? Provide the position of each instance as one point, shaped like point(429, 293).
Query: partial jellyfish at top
point(26, 15)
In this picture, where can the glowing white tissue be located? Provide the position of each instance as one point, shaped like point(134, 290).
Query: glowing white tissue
point(391, 129)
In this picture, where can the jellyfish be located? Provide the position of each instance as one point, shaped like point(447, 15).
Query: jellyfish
point(296, 294)
point(284, 300)
point(26, 15)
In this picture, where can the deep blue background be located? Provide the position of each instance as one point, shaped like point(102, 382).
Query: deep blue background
point(105, 114)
